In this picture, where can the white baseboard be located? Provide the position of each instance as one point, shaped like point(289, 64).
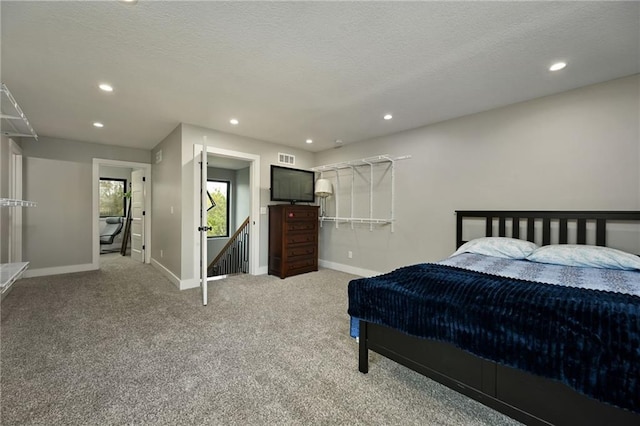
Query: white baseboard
point(167, 273)
point(190, 283)
point(347, 268)
point(57, 270)
point(180, 284)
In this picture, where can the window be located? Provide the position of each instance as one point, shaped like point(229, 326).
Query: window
point(112, 199)
point(218, 208)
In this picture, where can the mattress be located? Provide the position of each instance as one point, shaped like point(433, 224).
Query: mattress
point(586, 334)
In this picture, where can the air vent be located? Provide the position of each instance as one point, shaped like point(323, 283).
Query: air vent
point(286, 159)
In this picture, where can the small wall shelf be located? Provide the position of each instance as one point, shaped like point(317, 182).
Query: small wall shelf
point(10, 272)
point(8, 202)
point(364, 162)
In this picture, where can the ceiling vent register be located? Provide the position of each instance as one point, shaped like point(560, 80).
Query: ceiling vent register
point(287, 159)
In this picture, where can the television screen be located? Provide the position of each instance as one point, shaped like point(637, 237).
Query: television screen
point(293, 185)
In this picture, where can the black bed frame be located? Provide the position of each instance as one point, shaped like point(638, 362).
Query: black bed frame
point(525, 397)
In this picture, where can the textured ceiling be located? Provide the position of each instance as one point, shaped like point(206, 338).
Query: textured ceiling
point(296, 70)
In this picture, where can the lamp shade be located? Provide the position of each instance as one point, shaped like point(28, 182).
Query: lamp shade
point(323, 188)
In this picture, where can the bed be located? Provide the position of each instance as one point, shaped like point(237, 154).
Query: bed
point(542, 354)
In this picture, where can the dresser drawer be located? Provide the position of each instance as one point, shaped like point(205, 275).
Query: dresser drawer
point(301, 226)
point(293, 214)
point(304, 264)
point(299, 251)
point(300, 238)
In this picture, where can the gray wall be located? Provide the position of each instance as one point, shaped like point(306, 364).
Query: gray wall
point(242, 196)
point(58, 176)
point(577, 150)
point(166, 203)
point(58, 231)
point(268, 152)
point(81, 152)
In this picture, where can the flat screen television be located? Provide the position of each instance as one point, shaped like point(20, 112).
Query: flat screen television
point(292, 185)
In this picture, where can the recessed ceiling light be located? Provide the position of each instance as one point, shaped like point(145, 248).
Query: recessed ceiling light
point(338, 141)
point(557, 66)
point(129, 1)
point(309, 141)
point(388, 117)
point(98, 124)
point(233, 121)
point(106, 87)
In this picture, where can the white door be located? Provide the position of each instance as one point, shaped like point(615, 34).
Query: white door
point(137, 215)
point(203, 228)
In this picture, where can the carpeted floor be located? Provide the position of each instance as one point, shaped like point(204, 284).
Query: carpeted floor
point(123, 346)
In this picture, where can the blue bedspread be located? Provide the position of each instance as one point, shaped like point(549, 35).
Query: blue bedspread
point(587, 339)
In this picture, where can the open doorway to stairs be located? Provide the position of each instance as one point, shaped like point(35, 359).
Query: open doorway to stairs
point(124, 218)
point(224, 156)
point(228, 213)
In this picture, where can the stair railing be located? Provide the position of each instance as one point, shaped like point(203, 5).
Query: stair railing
point(234, 256)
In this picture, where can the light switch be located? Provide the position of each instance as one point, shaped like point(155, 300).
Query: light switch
point(263, 210)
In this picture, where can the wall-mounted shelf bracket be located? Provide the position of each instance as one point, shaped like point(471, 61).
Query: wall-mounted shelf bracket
point(14, 121)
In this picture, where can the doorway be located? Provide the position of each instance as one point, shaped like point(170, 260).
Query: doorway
point(138, 188)
point(229, 189)
point(200, 178)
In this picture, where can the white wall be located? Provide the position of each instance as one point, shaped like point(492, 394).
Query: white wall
point(577, 150)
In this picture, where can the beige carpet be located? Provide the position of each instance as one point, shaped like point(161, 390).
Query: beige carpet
point(123, 346)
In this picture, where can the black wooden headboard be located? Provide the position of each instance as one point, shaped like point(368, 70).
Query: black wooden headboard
point(563, 218)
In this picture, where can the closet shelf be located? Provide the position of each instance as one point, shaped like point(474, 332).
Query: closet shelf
point(8, 202)
point(14, 121)
point(363, 162)
point(9, 272)
point(354, 220)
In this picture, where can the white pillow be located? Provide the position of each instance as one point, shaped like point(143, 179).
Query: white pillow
point(508, 248)
point(585, 256)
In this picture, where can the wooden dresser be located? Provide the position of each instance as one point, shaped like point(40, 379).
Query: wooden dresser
point(293, 239)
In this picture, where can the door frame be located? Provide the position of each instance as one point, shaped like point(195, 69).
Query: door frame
point(254, 179)
point(97, 162)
